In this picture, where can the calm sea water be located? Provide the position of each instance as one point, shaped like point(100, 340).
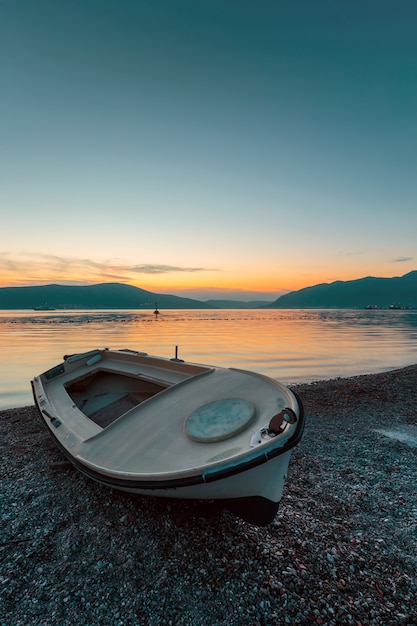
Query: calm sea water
point(290, 345)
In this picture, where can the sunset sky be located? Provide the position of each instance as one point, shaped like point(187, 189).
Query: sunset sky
point(207, 148)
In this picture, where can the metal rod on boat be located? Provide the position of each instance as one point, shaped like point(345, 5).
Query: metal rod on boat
point(176, 356)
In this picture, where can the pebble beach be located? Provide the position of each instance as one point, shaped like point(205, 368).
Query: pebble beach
point(342, 549)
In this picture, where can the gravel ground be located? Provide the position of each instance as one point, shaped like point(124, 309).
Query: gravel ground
point(342, 549)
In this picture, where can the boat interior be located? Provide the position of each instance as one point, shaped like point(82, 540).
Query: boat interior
point(105, 396)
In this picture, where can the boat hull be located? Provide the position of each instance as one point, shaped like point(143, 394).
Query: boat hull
point(249, 481)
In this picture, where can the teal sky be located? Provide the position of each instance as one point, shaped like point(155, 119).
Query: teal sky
point(207, 147)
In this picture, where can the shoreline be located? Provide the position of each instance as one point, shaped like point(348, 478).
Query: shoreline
point(341, 550)
point(293, 383)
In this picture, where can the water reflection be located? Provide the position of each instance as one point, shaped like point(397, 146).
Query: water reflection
point(290, 345)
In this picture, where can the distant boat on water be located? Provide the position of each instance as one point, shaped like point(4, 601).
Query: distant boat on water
point(44, 307)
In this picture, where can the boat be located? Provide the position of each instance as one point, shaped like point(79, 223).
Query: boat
point(44, 307)
point(161, 426)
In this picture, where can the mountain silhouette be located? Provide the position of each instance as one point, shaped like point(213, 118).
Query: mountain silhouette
point(357, 294)
point(353, 294)
point(102, 296)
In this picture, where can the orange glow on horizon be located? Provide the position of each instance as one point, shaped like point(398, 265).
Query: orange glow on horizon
point(162, 284)
point(271, 283)
point(39, 272)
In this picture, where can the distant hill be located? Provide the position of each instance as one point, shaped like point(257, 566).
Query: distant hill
point(102, 296)
point(353, 294)
point(357, 294)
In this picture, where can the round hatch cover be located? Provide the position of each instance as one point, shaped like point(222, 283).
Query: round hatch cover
point(219, 420)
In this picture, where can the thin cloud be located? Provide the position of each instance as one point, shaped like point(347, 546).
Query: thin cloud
point(8, 264)
point(350, 253)
point(32, 267)
point(166, 269)
point(402, 259)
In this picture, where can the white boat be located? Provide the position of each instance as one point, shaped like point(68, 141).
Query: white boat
point(164, 427)
point(44, 307)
